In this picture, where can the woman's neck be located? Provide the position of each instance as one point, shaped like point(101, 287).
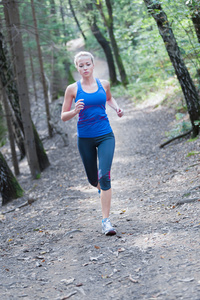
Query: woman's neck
point(89, 85)
point(88, 81)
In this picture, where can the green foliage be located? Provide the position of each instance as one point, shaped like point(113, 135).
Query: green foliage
point(180, 127)
point(141, 47)
point(120, 91)
point(18, 190)
point(38, 176)
point(192, 153)
point(192, 139)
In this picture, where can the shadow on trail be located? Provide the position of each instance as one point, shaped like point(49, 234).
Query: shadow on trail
point(54, 249)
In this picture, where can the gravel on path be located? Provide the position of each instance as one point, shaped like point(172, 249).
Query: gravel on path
point(53, 248)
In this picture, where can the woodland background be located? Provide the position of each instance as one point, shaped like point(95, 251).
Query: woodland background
point(152, 49)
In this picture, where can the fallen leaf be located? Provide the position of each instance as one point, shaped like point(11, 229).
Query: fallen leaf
point(86, 264)
point(187, 279)
point(79, 284)
point(137, 270)
point(133, 280)
point(68, 281)
point(69, 295)
point(96, 247)
point(121, 250)
point(2, 218)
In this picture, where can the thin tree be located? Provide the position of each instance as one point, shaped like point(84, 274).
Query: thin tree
point(9, 187)
point(102, 42)
point(50, 131)
point(62, 13)
point(8, 82)
point(194, 6)
point(56, 78)
point(76, 20)
point(10, 131)
point(108, 21)
point(14, 20)
point(32, 70)
point(186, 83)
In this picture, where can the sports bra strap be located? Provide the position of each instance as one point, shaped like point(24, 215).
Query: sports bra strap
point(99, 82)
point(79, 88)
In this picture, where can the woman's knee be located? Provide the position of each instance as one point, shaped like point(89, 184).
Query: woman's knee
point(105, 182)
point(93, 182)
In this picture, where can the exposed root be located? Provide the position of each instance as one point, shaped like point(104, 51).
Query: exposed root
point(175, 138)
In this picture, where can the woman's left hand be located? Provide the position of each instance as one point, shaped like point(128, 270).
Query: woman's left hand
point(120, 112)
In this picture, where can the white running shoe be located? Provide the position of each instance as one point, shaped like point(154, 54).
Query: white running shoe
point(107, 228)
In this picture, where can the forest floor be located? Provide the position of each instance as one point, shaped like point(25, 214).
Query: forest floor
point(53, 248)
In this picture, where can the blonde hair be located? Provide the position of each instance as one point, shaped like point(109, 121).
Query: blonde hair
point(83, 53)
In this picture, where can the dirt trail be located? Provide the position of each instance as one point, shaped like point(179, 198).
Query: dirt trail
point(54, 249)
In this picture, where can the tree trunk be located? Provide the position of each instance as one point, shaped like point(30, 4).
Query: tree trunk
point(41, 154)
point(50, 131)
point(109, 24)
point(196, 22)
point(32, 72)
point(54, 20)
point(187, 85)
point(63, 20)
point(103, 43)
point(107, 50)
point(19, 61)
point(10, 131)
point(195, 16)
point(8, 82)
point(19, 139)
point(76, 20)
point(69, 75)
point(9, 186)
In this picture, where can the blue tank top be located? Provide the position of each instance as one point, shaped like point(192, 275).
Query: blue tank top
point(93, 120)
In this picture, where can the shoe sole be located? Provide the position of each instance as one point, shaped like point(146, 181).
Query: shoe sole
point(111, 232)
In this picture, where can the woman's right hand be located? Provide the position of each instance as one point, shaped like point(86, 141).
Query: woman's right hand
point(79, 105)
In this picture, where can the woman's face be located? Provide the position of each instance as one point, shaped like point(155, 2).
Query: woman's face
point(85, 66)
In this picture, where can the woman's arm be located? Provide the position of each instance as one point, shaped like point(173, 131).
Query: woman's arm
point(67, 113)
point(110, 100)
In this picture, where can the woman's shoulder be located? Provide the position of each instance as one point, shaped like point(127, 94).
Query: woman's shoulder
point(105, 83)
point(72, 88)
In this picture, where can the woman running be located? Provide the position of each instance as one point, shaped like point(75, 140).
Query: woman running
point(95, 136)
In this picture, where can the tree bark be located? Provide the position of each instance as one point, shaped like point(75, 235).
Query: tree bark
point(187, 85)
point(50, 131)
point(10, 131)
point(9, 186)
point(54, 20)
point(104, 44)
point(107, 50)
point(195, 11)
point(19, 61)
point(32, 72)
point(109, 24)
point(8, 82)
point(196, 22)
point(18, 135)
point(76, 20)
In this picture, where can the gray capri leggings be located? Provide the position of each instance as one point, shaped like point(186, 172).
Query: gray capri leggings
point(102, 147)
